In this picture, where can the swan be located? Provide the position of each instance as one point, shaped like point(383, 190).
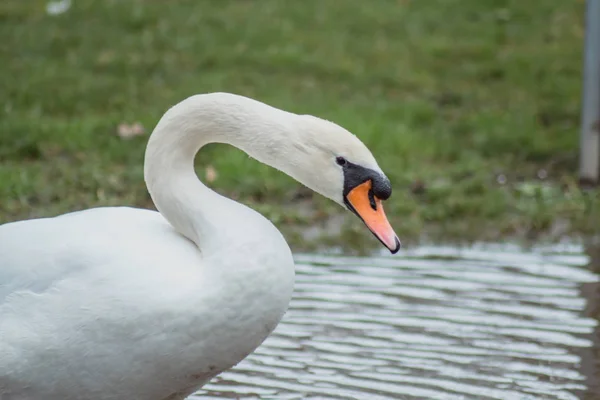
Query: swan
point(123, 303)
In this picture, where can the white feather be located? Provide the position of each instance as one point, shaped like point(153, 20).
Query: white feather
point(123, 303)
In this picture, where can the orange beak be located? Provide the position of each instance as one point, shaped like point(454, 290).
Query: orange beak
point(370, 209)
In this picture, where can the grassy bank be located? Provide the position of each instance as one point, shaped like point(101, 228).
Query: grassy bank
point(470, 106)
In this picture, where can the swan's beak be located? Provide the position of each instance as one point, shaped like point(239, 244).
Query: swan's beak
point(370, 209)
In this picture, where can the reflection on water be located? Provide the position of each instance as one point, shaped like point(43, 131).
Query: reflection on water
point(432, 323)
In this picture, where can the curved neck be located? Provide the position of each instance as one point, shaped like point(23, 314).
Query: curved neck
point(191, 208)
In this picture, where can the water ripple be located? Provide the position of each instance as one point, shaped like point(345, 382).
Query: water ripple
point(435, 323)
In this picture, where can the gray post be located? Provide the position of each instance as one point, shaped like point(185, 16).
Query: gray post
point(589, 162)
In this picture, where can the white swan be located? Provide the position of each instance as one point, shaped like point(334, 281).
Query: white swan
point(124, 303)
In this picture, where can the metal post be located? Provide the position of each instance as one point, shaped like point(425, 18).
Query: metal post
point(589, 162)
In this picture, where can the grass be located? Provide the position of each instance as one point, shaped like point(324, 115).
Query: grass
point(470, 106)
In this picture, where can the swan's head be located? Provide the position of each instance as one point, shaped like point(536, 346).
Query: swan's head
point(335, 163)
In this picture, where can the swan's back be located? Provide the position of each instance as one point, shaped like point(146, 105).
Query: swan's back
point(37, 253)
point(83, 287)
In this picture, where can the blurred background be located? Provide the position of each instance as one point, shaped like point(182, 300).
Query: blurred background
point(471, 107)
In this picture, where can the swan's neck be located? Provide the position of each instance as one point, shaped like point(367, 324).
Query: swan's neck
point(193, 209)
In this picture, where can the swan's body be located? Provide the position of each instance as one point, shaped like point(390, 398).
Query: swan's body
point(124, 303)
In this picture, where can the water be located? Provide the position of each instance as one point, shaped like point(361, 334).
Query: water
point(432, 323)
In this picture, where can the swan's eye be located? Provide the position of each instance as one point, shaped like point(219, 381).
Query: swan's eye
point(340, 160)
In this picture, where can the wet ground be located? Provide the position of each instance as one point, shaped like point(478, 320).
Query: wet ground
point(485, 322)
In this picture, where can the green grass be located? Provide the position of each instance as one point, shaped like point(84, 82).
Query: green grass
point(448, 94)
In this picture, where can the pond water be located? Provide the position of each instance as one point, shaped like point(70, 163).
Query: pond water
point(483, 322)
